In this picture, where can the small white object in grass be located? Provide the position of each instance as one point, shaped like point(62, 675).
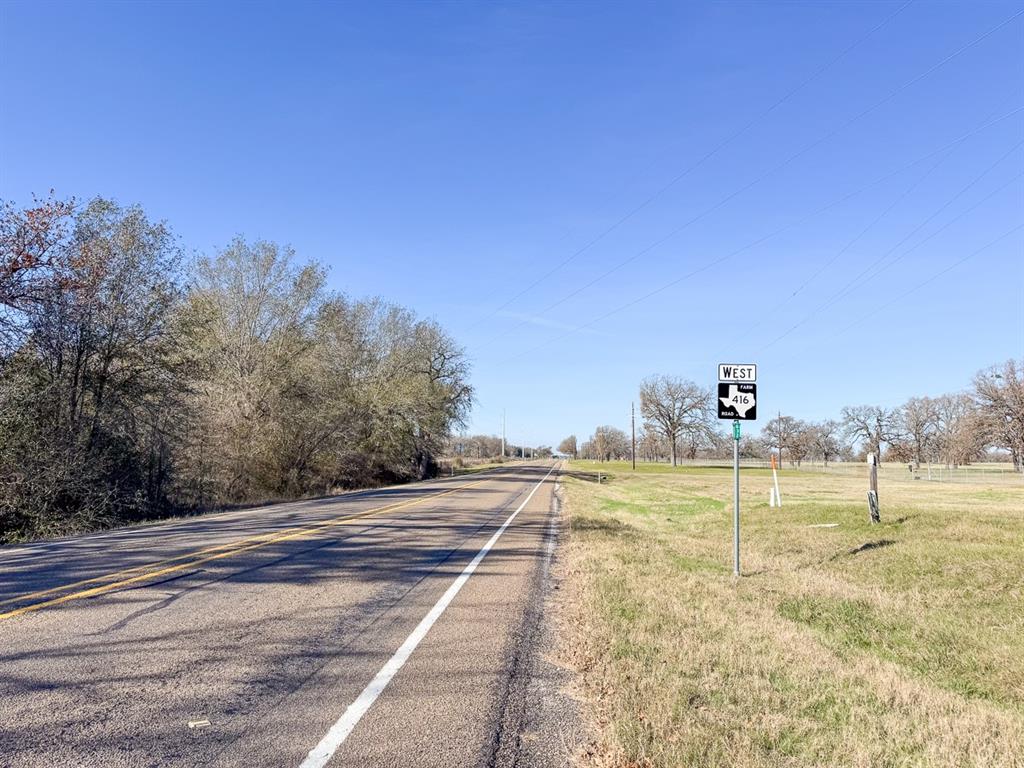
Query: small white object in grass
point(198, 723)
point(824, 525)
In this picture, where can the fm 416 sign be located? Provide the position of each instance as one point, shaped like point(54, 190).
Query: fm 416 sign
point(737, 392)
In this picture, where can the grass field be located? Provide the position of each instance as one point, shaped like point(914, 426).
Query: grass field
point(897, 644)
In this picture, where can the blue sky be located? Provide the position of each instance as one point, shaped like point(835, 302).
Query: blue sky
point(805, 186)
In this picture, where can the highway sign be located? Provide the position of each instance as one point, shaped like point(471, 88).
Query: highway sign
point(737, 401)
point(734, 372)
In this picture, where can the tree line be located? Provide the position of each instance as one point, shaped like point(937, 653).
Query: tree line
point(679, 418)
point(136, 383)
point(491, 448)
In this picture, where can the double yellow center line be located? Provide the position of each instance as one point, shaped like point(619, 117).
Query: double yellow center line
point(187, 560)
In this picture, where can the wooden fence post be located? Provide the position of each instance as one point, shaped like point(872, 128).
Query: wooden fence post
point(873, 488)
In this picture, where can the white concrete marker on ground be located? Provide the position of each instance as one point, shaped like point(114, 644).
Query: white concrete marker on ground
point(322, 752)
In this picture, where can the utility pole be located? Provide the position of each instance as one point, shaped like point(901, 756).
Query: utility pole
point(632, 424)
point(780, 439)
point(503, 434)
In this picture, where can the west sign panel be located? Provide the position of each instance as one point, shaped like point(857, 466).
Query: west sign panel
point(734, 372)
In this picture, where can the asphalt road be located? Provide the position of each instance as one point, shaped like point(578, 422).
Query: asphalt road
point(373, 629)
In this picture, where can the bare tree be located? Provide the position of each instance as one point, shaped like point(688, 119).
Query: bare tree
point(301, 391)
point(801, 444)
point(407, 383)
point(873, 426)
point(781, 433)
point(609, 443)
point(675, 407)
point(750, 448)
point(999, 394)
point(959, 434)
point(918, 419)
point(568, 446)
point(719, 445)
point(253, 311)
point(651, 446)
point(481, 446)
point(825, 439)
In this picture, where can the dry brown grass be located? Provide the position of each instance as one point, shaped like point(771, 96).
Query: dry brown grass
point(900, 644)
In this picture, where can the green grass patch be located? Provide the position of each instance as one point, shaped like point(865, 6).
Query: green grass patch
point(896, 644)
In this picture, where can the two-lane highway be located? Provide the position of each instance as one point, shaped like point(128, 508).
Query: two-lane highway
point(379, 628)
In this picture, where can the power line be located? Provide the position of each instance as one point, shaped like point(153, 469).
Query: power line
point(694, 166)
point(945, 226)
point(935, 276)
point(771, 171)
point(856, 238)
point(720, 260)
point(853, 284)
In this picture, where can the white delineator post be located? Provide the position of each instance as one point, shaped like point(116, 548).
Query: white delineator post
point(775, 480)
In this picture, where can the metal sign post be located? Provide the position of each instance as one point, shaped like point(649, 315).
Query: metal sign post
point(736, 498)
point(737, 400)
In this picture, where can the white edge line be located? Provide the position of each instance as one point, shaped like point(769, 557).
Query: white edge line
point(322, 752)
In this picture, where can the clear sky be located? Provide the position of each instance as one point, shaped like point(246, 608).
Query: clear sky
point(805, 186)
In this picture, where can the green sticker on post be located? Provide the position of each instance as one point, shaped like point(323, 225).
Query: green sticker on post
point(735, 430)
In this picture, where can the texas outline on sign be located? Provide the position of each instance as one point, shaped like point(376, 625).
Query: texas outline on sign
point(737, 401)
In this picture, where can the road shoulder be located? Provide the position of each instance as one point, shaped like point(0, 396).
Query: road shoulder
point(541, 724)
